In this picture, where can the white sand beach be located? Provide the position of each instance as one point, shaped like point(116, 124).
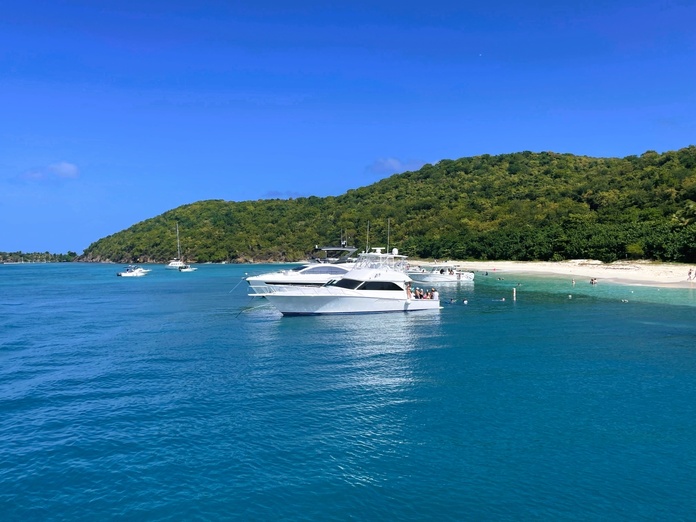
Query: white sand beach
point(646, 273)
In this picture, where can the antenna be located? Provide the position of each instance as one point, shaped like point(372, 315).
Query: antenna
point(388, 223)
point(367, 242)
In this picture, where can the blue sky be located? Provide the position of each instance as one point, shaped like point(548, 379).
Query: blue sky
point(113, 112)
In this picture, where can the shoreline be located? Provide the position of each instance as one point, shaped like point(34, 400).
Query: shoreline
point(635, 273)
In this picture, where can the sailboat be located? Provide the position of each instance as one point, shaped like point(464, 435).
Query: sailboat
point(177, 263)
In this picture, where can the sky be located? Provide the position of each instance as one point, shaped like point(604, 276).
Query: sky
point(113, 112)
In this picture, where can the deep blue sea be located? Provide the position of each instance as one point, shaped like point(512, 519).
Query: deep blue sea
point(178, 397)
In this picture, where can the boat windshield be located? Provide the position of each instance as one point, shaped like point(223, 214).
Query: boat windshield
point(381, 261)
point(337, 254)
point(351, 284)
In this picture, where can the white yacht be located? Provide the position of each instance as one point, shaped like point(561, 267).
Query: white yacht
point(175, 264)
point(440, 274)
point(335, 263)
point(133, 271)
point(377, 283)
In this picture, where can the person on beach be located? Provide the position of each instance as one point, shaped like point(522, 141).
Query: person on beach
point(690, 274)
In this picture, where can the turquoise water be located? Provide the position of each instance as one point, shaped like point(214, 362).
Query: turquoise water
point(177, 397)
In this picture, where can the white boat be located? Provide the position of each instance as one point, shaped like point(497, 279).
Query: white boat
point(440, 274)
point(378, 283)
point(133, 271)
point(334, 264)
point(177, 263)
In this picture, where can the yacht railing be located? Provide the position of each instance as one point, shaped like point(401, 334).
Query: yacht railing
point(378, 260)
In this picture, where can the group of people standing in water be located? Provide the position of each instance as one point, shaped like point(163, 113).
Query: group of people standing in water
point(419, 293)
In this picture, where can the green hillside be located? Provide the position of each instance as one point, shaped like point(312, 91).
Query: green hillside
point(522, 206)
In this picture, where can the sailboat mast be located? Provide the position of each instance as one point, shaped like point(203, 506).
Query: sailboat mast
point(178, 245)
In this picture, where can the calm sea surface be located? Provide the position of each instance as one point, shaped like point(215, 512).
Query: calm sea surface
point(178, 397)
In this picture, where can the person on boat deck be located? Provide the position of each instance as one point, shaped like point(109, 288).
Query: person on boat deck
point(408, 290)
point(434, 294)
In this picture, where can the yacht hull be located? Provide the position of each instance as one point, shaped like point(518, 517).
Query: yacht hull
point(321, 301)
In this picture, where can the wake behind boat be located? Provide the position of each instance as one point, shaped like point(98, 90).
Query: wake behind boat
point(378, 283)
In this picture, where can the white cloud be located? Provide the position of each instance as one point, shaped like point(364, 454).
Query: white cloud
point(276, 194)
point(51, 173)
point(64, 170)
point(394, 166)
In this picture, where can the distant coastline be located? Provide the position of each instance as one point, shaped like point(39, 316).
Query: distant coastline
point(634, 272)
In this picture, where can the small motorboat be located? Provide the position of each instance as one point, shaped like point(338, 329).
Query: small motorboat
point(133, 271)
point(440, 274)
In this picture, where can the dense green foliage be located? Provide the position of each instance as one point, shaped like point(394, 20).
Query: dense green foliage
point(522, 206)
point(36, 257)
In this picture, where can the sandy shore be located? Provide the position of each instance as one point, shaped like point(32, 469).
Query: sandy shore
point(646, 273)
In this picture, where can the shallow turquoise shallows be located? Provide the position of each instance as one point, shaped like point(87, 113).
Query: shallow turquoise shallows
point(178, 397)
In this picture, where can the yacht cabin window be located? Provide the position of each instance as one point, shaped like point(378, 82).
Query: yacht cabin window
point(326, 269)
point(351, 284)
point(381, 285)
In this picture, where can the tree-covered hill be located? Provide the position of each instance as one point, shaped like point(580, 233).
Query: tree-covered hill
point(522, 206)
